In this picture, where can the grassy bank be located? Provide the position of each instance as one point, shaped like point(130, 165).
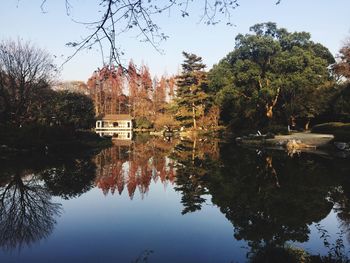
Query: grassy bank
point(340, 130)
point(52, 139)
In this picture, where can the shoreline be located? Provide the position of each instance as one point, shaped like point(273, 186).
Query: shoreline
point(297, 142)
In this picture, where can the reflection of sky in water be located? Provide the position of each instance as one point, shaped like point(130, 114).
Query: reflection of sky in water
point(95, 227)
point(315, 244)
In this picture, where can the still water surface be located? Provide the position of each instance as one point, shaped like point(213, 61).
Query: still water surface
point(151, 200)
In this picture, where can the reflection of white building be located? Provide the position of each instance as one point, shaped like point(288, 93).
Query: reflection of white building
point(118, 126)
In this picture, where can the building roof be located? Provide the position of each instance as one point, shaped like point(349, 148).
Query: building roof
point(117, 117)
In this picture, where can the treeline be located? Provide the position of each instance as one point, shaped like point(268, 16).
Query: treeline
point(26, 97)
point(271, 80)
point(32, 114)
point(168, 102)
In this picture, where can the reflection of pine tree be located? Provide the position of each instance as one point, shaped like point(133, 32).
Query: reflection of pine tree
point(190, 185)
point(27, 213)
point(193, 164)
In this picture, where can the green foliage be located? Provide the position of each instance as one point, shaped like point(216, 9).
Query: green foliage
point(55, 138)
point(341, 102)
point(32, 136)
point(272, 75)
point(142, 123)
point(73, 110)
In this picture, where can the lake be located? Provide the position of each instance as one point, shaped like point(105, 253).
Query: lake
point(157, 200)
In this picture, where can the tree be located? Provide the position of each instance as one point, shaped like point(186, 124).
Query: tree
point(25, 73)
point(268, 76)
point(190, 95)
point(143, 100)
point(159, 95)
point(133, 84)
point(72, 110)
point(340, 99)
point(106, 89)
point(342, 67)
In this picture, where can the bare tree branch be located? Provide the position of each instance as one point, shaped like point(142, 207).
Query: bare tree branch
point(120, 16)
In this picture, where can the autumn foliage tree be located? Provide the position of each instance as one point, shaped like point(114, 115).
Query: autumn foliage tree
point(342, 67)
point(159, 95)
point(132, 91)
point(340, 103)
point(106, 89)
point(143, 96)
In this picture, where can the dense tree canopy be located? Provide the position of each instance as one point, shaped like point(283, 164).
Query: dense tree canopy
point(72, 110)
point(269, 75)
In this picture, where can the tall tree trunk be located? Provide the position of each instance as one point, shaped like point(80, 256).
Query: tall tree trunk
point(269, 107)
point(307, 125)
point(194, 117)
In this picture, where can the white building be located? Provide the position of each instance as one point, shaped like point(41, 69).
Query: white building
point(115, 125)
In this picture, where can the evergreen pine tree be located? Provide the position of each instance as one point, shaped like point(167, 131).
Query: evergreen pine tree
point(191, 84)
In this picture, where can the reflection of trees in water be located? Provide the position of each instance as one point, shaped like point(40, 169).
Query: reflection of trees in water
point(269, 197)
point(268, 209)
point(27, 212)
point(342, 198)
point(134, 166)
point(70, 179)
point(195, 160)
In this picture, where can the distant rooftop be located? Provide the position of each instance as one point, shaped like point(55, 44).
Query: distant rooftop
point(119, 117)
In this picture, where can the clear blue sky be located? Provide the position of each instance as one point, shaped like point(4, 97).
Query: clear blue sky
point(327, 21)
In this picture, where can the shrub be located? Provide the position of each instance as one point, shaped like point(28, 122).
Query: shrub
point(143, 123)
point(165, 120)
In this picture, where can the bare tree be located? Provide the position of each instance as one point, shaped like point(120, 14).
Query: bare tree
point(25, 71)
point(139, 16)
